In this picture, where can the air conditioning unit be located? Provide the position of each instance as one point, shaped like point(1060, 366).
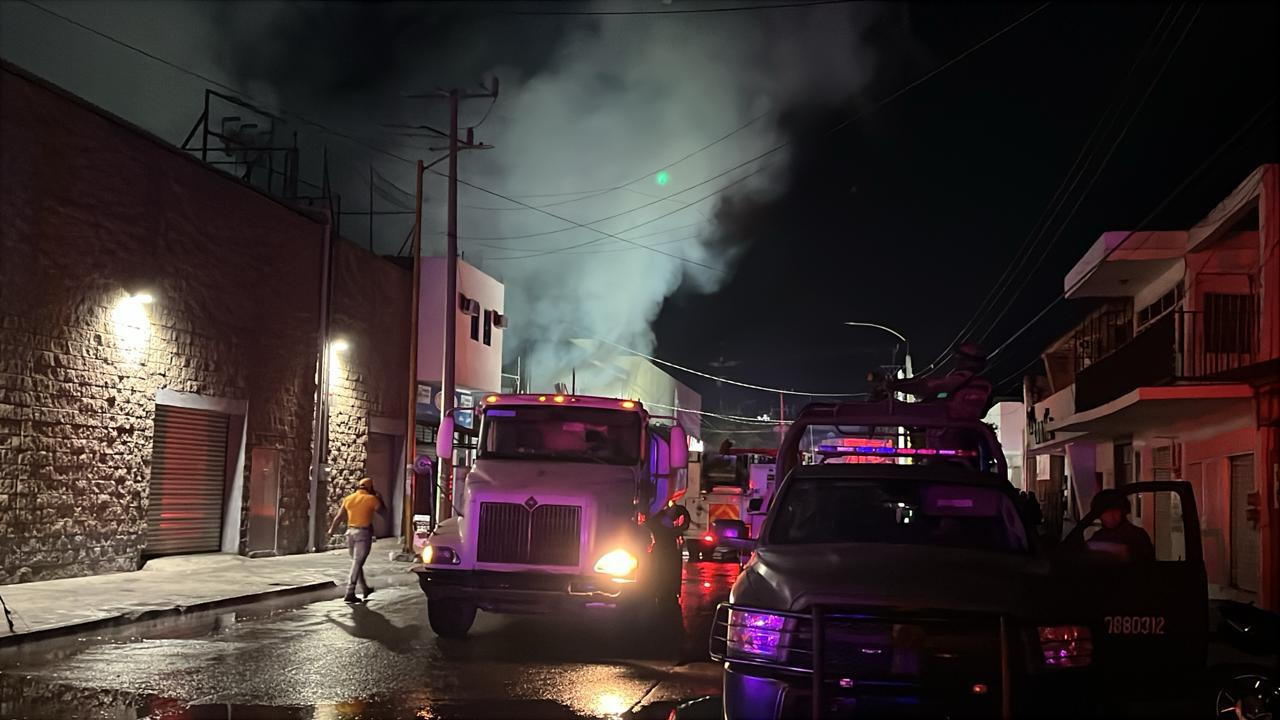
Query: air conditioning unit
point(500, 321)
point(468, 306)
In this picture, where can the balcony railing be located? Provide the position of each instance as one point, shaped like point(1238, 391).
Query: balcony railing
point(1148, 359)
point(1219, 339)
point(1204, 344)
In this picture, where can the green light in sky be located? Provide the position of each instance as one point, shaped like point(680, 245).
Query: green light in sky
point(662, 178)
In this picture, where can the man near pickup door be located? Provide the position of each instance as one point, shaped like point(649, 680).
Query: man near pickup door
point(1113, 512)
point(357, 510)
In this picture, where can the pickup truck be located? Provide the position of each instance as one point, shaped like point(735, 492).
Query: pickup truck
point(917, 587)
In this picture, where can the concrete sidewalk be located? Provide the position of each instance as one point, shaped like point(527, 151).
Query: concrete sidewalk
point(181, 584)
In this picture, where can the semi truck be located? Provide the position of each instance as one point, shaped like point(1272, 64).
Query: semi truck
point(568, 506)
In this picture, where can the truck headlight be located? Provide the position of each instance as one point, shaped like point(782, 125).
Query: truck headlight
point(439, 555)
point(617, 563)
point(755, 635)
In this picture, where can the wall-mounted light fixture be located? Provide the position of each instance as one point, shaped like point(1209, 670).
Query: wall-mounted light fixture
point(131, 324)
point(337, 348)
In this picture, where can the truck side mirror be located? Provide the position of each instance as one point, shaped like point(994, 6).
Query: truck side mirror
point(679, 448)
point(444, 438)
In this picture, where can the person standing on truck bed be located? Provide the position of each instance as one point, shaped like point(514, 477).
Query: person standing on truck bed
point(358, 509)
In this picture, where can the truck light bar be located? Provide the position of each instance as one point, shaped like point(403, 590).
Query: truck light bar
point(560, 399)
point(883, 451)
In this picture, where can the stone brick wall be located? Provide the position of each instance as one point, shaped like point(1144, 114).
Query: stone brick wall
point(95, 210)
point(370, 311)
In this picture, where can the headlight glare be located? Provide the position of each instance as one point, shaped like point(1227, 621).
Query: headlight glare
point(617, 563)
point(439, 555)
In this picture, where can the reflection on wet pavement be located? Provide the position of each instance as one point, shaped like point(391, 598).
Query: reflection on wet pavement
point(327, 660)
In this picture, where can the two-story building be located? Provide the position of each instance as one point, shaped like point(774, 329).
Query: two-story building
point(1174, 375)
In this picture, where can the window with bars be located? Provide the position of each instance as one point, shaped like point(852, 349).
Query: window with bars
point(1229, 321)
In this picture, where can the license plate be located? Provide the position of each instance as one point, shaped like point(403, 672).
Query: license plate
point(1134, 624)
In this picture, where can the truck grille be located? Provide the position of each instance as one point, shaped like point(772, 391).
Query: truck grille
point(545, 535)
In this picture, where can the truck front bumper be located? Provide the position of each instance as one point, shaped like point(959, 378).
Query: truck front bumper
point(526, 592)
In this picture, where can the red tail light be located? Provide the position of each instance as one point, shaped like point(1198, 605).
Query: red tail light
point(1066, 645)
point(708, 538)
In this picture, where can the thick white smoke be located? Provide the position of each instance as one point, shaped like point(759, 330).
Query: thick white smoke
point(622, 97)
point(586, 103)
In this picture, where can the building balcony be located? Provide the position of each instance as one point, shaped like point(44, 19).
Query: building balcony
point(1215, 344)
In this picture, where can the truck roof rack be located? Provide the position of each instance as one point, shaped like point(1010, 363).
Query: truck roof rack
point(887, 413)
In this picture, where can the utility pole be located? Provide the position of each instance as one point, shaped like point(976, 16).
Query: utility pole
point(411, 433)
point(449, 341)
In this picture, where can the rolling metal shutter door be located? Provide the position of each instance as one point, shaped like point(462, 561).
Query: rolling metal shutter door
point(1246, 565)
point(188, 474)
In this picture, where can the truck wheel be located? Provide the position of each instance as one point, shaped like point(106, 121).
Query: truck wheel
point(450, 618)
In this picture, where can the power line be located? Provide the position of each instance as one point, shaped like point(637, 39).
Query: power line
point(588, 194)
point(1151, 216)
point(1032, 240)
point(857, 116)
point(1026, 278)
point(731, 418)
point(679, 11)
point(602, 232)
point(553, 251)
point(350, 137)
point(200, 76)
point(1016, 373)
point(660, 361)
point(405, 160)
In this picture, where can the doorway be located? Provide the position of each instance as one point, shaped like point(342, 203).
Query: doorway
point(382, 465)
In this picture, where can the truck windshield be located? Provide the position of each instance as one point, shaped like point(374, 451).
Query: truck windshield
point(899, 512)
point(569, 434)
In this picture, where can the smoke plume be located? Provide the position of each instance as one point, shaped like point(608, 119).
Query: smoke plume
point(594, 112)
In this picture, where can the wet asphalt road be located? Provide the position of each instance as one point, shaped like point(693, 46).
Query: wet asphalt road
point(328, 660)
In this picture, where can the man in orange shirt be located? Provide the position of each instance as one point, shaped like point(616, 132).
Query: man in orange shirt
point(358, 509)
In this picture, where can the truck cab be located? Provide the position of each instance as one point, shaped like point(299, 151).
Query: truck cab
point(567, 507)
point(918, 587)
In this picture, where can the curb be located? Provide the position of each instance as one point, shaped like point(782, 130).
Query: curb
point(111, 621)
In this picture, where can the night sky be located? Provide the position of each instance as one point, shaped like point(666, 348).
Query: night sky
point(906, 216)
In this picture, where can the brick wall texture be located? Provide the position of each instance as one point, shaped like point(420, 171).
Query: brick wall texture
point(370, 311)
point(95, 210)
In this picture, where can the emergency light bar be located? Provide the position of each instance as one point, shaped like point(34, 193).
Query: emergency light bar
point(883, 451)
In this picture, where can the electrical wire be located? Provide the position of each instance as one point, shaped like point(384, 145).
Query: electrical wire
point(1151, 215)
point(730, 418)
point(786, 143)
point(678, 11)
point(650, 248)
point(597, 192)
point(660, 361)
point(359, 141)
point(1026, 277)
point(216, 83)
point(1032, 240)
